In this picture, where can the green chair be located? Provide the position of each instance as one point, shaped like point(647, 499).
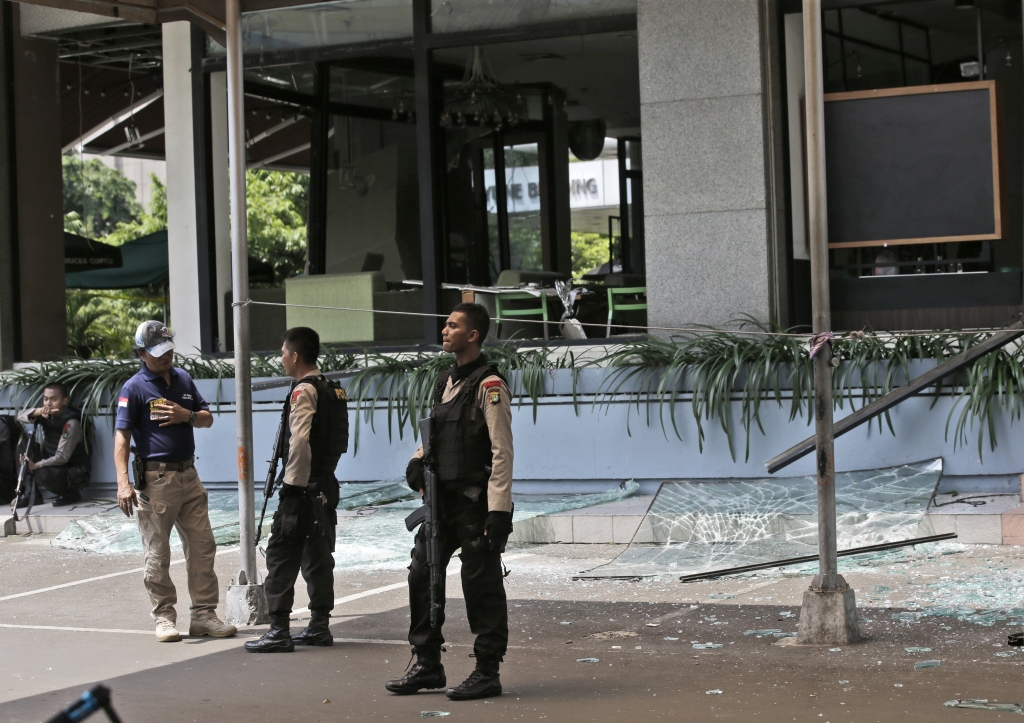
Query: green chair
point(632, 298)
point(537, 306)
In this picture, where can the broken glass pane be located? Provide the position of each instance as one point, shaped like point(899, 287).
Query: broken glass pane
point(714, 524)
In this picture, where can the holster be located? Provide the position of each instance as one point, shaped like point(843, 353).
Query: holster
point(138, 470)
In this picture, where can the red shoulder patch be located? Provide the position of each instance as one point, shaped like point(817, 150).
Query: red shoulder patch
point(67, 426)
point(494, 383)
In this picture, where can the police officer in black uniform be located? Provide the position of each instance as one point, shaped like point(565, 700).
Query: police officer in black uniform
point(471, 450)
point(315, 435)
point(62, 466)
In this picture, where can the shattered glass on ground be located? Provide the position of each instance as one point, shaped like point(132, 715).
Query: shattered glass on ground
point(711, 525)
point(371, 522)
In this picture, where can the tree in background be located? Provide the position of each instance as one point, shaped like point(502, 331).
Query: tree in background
point(102, 323)
point(276, 208)
point(589, 250)
point(96, 198)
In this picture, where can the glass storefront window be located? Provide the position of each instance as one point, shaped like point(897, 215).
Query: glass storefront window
point(523, 204)
point(450, 16)
point(330, 23)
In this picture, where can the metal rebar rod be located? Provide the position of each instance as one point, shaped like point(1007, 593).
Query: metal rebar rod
point(820, 302)
point(713, 574)
point(239, 292)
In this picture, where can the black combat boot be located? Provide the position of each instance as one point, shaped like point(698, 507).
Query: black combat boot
point(317, 632)
point(276, 640)
point(69, 498)
point(426, 674)
point(25, 497)
point(481, 683)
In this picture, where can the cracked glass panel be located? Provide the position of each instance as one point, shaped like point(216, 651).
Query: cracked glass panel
point(371, 522)
point(715, 524)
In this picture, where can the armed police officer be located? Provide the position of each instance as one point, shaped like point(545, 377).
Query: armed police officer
point(314, 435)
point(471, 456)
point(63, 467)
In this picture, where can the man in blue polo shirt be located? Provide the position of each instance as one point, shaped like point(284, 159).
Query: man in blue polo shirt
point(158, 409)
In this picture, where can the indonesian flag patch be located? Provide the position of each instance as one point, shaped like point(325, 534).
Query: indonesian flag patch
point(122, 401)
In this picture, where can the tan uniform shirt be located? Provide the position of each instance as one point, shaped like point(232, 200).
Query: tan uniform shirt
point(495, 401)
point(300, 421)
point(70, 438)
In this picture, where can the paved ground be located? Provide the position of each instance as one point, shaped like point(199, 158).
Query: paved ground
point(647, 668)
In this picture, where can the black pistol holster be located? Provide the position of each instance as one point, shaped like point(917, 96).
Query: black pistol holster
point(138, 470)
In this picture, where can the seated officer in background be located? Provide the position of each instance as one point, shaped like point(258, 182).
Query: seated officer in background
point(314, 428)
point(64, 468)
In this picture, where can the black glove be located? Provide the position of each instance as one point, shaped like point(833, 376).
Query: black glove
point(497, 529)
point(414, 474)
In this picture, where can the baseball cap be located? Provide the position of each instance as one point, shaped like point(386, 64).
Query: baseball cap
point(154, 337)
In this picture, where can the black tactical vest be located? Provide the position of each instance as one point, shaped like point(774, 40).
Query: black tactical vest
point(328, 434)
point(461, 444)
point(53, 429)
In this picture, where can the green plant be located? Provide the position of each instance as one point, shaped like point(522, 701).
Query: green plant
point(711, 369)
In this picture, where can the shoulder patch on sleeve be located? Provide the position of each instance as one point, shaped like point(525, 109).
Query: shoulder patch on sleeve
point(122, 401)
point(67, 430)
point(295, 396)
point(494, 395)
point(492, 383)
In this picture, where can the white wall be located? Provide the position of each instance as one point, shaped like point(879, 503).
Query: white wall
point(182, 252)
point(138, 171)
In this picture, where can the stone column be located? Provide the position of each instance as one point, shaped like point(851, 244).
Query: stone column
point(40, 206)
point(182, 236)
point(222, 217)
point(9, 276)
point(706, 212)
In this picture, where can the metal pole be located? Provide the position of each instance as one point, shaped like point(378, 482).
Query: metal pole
point(820, 304)
point(239, 292)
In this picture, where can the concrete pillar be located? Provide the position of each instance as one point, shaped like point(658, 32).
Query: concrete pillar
point(40, 206)
point(706, 212)
point(222, 217)
point(182, 232)
point(9, 277)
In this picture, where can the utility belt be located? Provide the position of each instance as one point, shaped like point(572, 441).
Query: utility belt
point(474, 479)
point(302, 512)
point(153, 466)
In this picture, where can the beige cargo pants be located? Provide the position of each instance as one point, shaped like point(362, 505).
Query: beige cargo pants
point(179, 500)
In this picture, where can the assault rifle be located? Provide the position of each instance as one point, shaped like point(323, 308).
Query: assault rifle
point(25, 476)
point(428, 515)
point(272, 476)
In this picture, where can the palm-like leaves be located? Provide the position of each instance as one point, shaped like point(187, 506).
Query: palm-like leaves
point(711, 369)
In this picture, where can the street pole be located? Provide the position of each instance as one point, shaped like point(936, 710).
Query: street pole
point(246, 601)
point(828, 615)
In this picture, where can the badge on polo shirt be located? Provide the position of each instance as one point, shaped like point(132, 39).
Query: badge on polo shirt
point(493, 391)
point(122, 402)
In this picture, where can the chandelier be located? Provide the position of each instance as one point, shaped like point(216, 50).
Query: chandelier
point(479, 100)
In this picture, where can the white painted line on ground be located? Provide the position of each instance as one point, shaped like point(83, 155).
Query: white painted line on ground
point(76, 630)
point(101, 577)
point(398, 585)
